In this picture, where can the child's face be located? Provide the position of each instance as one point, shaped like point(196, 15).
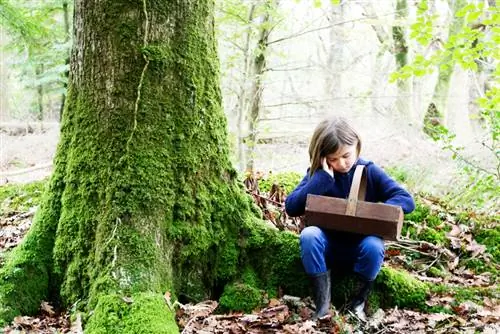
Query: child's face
point(343, 159)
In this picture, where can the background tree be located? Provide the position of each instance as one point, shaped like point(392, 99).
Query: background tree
point(41, 64)
point(143, 198)
point(244, 29)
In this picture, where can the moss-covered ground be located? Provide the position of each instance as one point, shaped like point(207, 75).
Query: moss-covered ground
point(416, 276)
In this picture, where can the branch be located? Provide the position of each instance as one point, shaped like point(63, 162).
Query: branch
point(324, 28)
point(264, 198)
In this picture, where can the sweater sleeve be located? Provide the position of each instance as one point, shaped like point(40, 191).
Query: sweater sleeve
point(390, 192)
point(320, 183)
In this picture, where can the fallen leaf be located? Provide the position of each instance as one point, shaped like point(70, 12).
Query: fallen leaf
point(47, 308)
point(274, 302)
point(436, 318)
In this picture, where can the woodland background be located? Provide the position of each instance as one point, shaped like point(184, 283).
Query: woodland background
point(288, 64)
point(419, 79)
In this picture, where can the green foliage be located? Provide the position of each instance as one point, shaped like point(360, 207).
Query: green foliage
point(44, 66)
point(422, 29)
point(433, 236)
point(472, 43)
point(18, 23)
point(286, 180)
point(436, 272)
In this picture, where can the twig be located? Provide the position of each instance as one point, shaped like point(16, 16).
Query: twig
point(431, 264)
point(394, 244)
point(265, 198)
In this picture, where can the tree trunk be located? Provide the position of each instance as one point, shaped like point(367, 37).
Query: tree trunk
point(143, 198)
point(66, 40)
point(336, 64)
point(255, 94)
point(437, 109)
point(39, 93)
point(403, 105)
point(243, 98)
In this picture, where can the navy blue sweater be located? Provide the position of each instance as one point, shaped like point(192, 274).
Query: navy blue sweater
point(380, 188)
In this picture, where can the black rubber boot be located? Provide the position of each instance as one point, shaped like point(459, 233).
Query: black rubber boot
point(361, 292)
point(321, 294)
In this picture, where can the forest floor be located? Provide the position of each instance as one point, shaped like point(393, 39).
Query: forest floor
point(27, 151)
point(472, 306)
point(468, 304)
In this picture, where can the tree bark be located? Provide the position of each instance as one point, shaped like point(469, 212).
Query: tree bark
point(400, 51)
point(40, 93)
point(67, 31)
point(437, 109)
point(143, 198)
point(255, 93)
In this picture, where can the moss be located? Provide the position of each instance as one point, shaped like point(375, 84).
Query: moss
point(420, 213)
point(241, 297)
point(399, 288)
point(462, 293)
point(392, 288)
point(20, 198)
point(433, 221)
point(157, 53)
point(489, 237)
point(433, 236)
point(25, 279)
point(24, 285)
point(138, 313)
point(480, 266)
point(436, 272)
point(275, 256)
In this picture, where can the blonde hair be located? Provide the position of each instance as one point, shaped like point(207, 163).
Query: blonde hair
point(329, 135)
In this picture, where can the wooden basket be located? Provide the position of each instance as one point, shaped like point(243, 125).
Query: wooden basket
point(354, 214)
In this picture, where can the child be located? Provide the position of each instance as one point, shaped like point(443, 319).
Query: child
point(334, 154)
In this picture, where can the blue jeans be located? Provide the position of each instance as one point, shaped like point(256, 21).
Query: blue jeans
point(321, 250)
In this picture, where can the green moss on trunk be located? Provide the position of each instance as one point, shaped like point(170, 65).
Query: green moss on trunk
point(140, 313)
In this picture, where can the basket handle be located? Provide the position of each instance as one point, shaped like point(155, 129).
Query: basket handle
point(358, 190)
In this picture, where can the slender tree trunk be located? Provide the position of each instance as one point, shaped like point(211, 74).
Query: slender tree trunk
point(336, 57)
point(437, 109)
point(255, 94)
point(243, 96)
point(66, 40)
point(400, 51)
point(40, 94)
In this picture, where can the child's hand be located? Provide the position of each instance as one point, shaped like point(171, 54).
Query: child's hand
point(326, 168)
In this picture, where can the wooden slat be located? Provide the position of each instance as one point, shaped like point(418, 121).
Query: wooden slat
point(379, 219)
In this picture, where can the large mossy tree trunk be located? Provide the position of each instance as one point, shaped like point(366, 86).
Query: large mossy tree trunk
point(143, 198)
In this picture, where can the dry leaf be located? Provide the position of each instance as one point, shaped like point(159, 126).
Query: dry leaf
point(274, 302)
point(47, 308)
